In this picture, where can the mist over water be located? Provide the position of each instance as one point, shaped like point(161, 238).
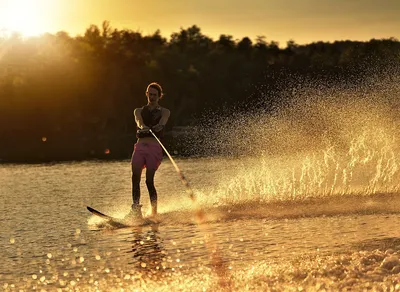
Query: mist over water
point(323, 141)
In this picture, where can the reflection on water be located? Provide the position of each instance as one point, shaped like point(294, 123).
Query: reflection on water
point(147, 251)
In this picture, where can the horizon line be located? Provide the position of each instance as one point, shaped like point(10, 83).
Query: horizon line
point(10, 32)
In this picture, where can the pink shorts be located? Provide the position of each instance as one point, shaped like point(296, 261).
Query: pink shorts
point(147, 155)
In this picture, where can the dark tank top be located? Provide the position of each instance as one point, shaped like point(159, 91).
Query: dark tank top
point(150, 119)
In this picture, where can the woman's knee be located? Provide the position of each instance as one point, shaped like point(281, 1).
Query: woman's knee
point(150, 183)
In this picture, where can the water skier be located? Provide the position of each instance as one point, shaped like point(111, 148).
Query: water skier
point(147, 151)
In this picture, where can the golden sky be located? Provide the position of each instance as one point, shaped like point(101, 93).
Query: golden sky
point(301, 20)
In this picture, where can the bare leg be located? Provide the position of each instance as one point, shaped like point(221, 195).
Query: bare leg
point(136, 175)
point(152, 190)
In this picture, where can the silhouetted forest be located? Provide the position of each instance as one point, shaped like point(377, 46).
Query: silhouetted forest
point(67, 98)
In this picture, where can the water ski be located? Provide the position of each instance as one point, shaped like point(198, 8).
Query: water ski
point(116, 222)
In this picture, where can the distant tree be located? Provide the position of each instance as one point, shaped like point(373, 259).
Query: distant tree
point(245, 46)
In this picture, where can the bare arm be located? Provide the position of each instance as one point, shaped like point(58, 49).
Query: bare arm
point(138, 118)
point(165, 113)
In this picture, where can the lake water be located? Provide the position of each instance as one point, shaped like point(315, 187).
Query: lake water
point(268, 227)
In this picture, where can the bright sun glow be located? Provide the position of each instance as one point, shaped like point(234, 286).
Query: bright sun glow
point(23, 16)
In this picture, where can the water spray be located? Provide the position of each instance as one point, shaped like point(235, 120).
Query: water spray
point(217, 261)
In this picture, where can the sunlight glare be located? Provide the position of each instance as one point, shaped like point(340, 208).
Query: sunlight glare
point(26, 17)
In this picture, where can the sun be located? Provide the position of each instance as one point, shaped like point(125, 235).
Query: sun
point(23, 16)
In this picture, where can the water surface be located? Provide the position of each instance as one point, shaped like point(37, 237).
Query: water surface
point(50, 241)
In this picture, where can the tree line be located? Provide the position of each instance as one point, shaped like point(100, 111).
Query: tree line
point(67, 98)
